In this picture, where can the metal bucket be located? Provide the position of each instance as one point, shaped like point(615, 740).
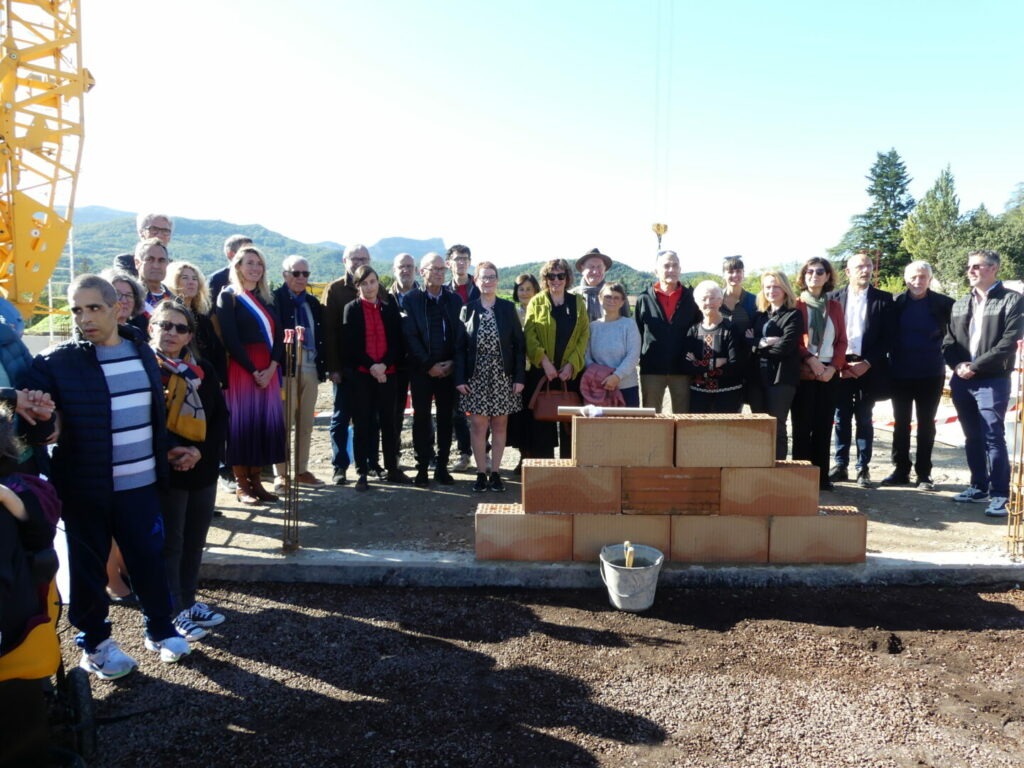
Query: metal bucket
point(631, 589)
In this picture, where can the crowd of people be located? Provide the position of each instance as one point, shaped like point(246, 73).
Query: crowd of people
point(173, 379)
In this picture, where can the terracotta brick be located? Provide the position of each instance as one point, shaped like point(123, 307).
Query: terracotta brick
point(505, 532)
point(725, 440)
point(788, 488)
point(557, 485)
point(834, 535)
point(671, 490)
point(623, 442)
point(720, 539)
point(591, 532)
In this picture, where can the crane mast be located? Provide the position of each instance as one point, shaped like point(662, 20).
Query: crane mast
point(42, 85)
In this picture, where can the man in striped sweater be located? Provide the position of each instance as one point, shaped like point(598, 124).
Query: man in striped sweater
point(110, 459)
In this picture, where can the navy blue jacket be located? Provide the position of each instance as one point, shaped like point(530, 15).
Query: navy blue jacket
point(416, 327)
point(286, 311)
point(82, 459)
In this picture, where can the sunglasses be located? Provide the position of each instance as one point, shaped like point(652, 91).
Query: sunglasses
point(815, 271)
point(167, 325)
point(300, 273)
point(556, 275)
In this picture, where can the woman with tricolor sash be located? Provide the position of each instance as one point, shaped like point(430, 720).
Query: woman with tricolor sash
point(253, 338)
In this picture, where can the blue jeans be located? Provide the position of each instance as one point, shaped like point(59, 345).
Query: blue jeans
point(981, 407)
point(133, 520)
point(854, 406)
point(340, 420)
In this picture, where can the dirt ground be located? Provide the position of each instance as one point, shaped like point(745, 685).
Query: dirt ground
point(441, 518)
point(312, 675)
point(307, 675)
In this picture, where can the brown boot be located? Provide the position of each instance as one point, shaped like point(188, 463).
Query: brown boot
point(244, 492)
point(258, 490)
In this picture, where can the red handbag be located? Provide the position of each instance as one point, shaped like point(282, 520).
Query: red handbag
point(545, 401)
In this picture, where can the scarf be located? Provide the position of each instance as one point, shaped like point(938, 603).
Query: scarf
point(815, 317)
point(181, 378)
point(301, 318)
point(592, 294)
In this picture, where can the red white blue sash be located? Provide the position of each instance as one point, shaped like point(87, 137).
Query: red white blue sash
point(261, 315)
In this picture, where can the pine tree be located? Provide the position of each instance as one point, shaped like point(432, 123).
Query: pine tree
point(878, 231)
point(931, 226)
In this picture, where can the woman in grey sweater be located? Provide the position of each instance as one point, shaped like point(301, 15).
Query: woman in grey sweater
point(615, 343)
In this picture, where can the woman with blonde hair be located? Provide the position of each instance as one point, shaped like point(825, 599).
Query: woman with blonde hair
point(557, 333)
point(778, 332)
point(188, 284)
point(253, 337)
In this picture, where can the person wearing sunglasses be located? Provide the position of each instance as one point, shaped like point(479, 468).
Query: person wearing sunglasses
point(197, 420)
point(822, 356)
point(188, 284)
point(985, 328)
point(298, 307)
point(557, 333)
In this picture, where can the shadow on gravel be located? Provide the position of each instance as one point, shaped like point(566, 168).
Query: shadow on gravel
point(381, 680)
point(903, 609)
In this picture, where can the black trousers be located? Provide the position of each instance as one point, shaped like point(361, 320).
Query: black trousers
point(814, 408)
point(442, 392)
point(373, 417)
point(922, 396)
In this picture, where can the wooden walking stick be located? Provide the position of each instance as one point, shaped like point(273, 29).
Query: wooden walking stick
point(290, 537)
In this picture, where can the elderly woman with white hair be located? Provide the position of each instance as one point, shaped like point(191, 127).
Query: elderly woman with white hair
point(711, 356)
point(919, 321)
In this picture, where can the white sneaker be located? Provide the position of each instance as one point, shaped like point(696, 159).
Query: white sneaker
point(204, 616)
point(971, 495)
point(462, 464)
point(188, 628)
point(108, 661)
point(997, 507)
point(171, 648)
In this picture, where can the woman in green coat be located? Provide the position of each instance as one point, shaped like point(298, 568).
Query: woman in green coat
point(557, 332)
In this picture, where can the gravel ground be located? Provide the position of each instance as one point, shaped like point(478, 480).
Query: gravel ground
point(307, 675)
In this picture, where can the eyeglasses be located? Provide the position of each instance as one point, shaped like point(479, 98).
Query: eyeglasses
point(556, 276)
point(976, 267)
point(167, 325)
point(486, 278)
point(126, 297)
point(159, 230)
point(300, 273)
point(815, 271)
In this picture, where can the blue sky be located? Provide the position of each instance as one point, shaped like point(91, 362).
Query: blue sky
point(531, 130)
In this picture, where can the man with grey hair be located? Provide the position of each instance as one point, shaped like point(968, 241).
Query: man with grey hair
point(335, 297)
point(219, 279)
point(404, 270)
point(980, 346)
point(151, 260)
point(919, 320)
point(156, 225)
point(296, 306)
point(111, 461)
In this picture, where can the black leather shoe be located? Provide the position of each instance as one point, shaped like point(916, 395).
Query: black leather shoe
point(362, 484)
point(896, 479)
point(442, 476)
point(839, 475)
point(422, 478)
point(339, 477)
point(864, 479)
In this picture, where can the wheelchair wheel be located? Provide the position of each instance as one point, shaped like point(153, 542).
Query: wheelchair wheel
point(81, 712)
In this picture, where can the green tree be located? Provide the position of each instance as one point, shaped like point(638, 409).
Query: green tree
point(932, 225)
point(879, 229)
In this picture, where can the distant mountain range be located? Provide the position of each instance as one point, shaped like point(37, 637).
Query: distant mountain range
point(102, 233)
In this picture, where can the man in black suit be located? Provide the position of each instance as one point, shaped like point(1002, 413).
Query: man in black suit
point(864, 379)
point(433, 331)
point(298, 307)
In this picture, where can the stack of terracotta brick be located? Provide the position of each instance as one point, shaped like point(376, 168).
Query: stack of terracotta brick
point(702, 489)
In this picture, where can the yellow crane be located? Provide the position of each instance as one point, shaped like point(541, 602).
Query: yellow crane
point(42, 85)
